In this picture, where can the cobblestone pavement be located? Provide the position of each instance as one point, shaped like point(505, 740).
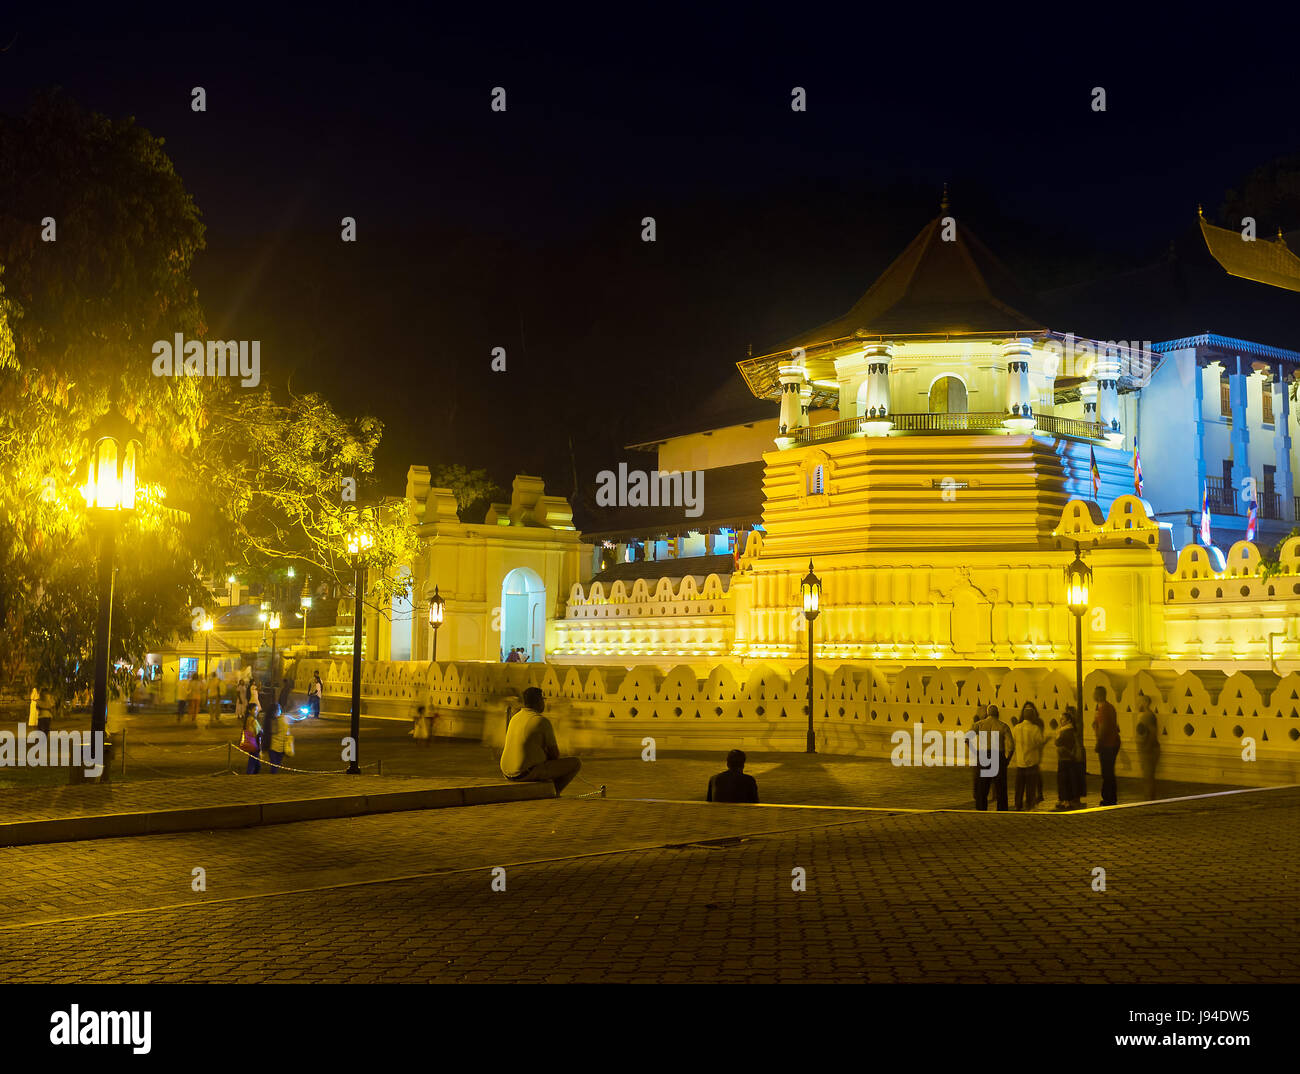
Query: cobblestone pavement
point(1197, 891)
point(158, 747)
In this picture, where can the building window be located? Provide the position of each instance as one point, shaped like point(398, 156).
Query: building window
point(947, 396)
point(815, 482)
point(1266, 401)
point(1225, 400)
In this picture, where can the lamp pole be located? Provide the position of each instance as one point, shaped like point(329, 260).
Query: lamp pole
point(274, 624)
point(206, 627)
point(436, 611)
point(109, 491)
point(1078, 575)
point(357, 542)
point(811, 587)
point(305, 602)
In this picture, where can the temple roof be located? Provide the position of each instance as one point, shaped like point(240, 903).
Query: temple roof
point(935, 287)
point(1259, 260)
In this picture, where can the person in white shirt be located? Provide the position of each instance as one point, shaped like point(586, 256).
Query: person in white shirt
point(1030, 740)
point(314, 694)
point(531, 753)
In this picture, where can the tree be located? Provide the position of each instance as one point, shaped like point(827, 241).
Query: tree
point(472, 488)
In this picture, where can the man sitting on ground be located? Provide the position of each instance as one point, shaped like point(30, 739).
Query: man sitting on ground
point(531, 753)
point(733, 785)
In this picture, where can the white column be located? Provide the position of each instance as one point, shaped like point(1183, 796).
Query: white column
point(805, 404)
point(1108, 396)
point(877, 411)
point(1088, 390)
point(1282, 445)
point(1020, 404)
point(792, 379)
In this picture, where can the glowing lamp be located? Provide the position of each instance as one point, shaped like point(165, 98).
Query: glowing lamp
point(811, 586)
point(1077, 576)
point(358, 540)
point(207, 624)
point(436, 608)
point(274, 621)
point(111, 464)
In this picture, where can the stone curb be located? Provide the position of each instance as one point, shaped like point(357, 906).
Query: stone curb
point(250, 815)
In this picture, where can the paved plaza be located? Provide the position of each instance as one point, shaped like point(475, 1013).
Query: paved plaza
point(613, 890)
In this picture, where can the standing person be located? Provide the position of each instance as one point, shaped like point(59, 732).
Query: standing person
point(33, 709)
point(1148, 745)
point(45, 707)
point(1029, 741)
point(1106, 726)
point(314, 695)
point(1030, 711)
point(251, 738)
point(531, 753)
point(281, 743)
point(1069, 759)
point(241, 701)
point(981, 712)
point(196, 697)
point(214, 701)
point(1003, 748)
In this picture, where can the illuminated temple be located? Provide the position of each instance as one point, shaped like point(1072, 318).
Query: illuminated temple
point(938, 452)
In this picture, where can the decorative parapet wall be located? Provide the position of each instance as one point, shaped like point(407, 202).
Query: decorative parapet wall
point(647, 619)
point(1241, 729)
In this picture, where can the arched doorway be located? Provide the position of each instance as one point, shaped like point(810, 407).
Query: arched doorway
point(947, 396)
point(523, 614)
point(402, 611)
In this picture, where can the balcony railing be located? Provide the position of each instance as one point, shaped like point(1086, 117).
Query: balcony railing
point(1270, 505)
point(980, 422)
point(1220, 496)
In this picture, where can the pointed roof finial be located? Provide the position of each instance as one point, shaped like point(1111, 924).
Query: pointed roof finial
point(1200, 211)
point(943, 205)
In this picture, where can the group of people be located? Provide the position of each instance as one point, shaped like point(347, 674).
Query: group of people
point(264, 723)
point(201, 694)
point(517, 655)
point(1021, 748)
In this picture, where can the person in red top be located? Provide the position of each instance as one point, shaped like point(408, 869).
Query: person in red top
point(1106, 726)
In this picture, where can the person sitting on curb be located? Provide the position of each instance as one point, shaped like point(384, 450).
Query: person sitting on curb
point(733, 785)
point(531, 754)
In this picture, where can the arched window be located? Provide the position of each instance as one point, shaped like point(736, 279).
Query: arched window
point(948, 396)
point(815, 481)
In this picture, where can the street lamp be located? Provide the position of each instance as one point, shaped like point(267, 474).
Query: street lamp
point(305, 602)
point(357, 541)
point(109, 491)
point(812, 595)
point(274, 623)
point(436, 604)
point(263, 616)
point(206, 626)
point(1077, 576)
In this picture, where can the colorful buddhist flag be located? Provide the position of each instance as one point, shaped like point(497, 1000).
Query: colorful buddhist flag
point(1137, 471)
point(1205, 514)
point(1252, 520)
point(1096, 474)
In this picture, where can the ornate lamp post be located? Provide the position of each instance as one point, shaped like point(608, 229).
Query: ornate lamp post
point(357, 541)
point(109, 491)
point(436, 604)
point(274, 623)
point(305, 603)
point(206, 626)
point(812, 594)
point(263, 616)
point(1077, 576)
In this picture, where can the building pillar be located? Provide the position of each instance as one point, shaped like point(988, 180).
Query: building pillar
point(805, 405)
point(792, 379)
point(1282, 477)
point(1088, 392)
point(1240, 431)
point(875, 416)
point(1020, 405)
point(1108, 396)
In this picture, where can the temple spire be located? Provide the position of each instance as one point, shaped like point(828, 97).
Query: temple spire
point(943, 205)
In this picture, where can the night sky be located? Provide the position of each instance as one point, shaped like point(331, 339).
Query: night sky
point(522, 230)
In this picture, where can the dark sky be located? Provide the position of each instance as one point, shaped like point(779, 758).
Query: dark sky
point(522, 230)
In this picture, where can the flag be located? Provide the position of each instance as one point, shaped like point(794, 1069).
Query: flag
point(1252, 521)
point(1096, 474)
point(1137, 471)
point(1205, 514)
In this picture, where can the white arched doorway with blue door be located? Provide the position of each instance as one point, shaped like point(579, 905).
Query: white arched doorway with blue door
point(523, 614)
